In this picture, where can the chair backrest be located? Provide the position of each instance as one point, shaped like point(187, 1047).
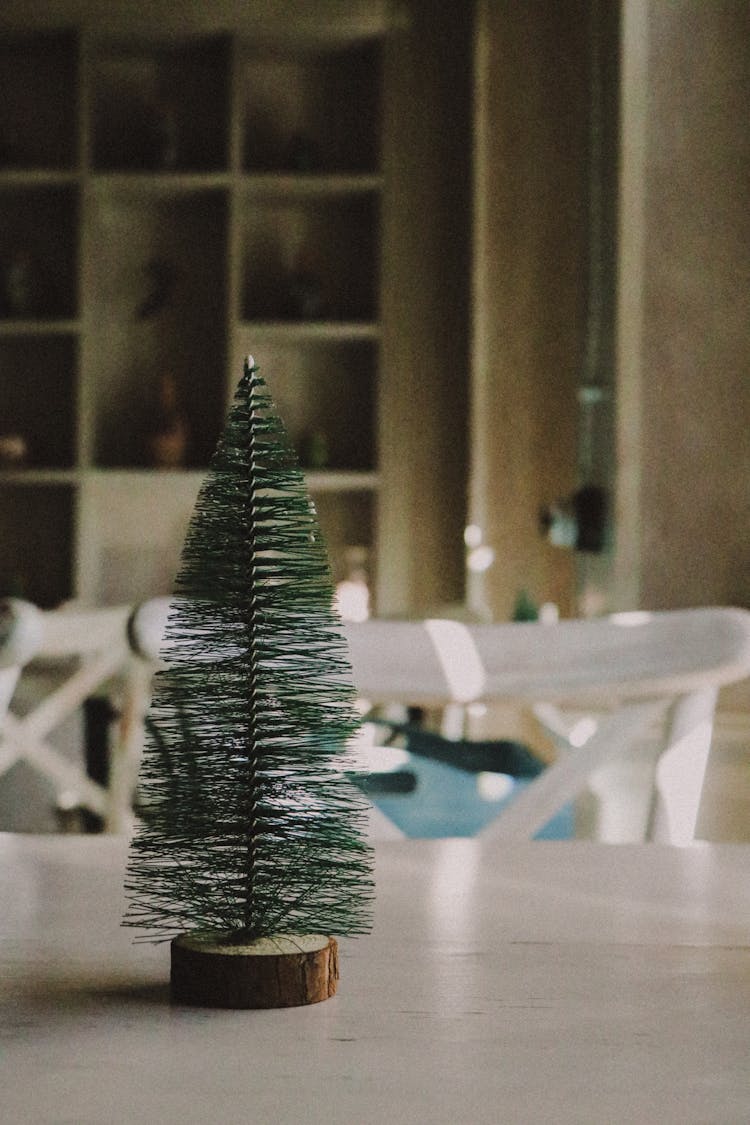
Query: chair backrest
point(641, 663)
point(626, 656)
point(21, 632)
point(81, 632)
point(88, 651)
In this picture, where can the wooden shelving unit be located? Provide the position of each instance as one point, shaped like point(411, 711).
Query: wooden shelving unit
point(167, 207)
point(191, 185)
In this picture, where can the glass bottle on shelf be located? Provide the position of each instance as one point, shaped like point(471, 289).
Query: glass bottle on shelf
point(21, 286)
point(353, 591)
point(14, 450)
point(168, 441)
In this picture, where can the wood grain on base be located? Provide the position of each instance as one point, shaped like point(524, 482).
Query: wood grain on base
point(277, 972)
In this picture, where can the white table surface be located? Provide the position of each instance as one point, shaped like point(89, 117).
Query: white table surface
point(544, 982)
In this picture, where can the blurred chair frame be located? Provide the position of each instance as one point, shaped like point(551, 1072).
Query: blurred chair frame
point(631, 670)
point(91, 647)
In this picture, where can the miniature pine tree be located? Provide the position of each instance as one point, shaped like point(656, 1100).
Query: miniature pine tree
point(250, 826)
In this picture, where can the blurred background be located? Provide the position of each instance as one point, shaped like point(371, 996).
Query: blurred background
point(493, 259)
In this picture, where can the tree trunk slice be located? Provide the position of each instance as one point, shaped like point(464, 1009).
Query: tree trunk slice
point(275, 972)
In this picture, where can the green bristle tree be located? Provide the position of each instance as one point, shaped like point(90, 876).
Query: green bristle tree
point(250, 826)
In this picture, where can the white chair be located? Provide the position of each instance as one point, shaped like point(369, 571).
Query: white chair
point(20, 638)
point(88, 649)
point(630, 670)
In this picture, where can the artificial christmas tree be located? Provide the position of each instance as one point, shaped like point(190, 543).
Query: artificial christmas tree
point(252, 837)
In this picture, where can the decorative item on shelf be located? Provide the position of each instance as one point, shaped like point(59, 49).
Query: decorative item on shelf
point(525, 608)
point(251, 838)
point(23, 289)
point(315, 452)
point(353, 591)
point(579, 522)
point(170, 433)
point(305, 296)
point(161, 278)
point(14, 450)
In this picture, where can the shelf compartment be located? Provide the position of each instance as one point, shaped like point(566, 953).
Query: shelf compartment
point(312, 111)
point(155, 273)
point(129, 556)
point(347, 520)
point(325, 394)
point(38, 101)
point(133, 527)
point(38, 253)
point(38, 389)
point(161, 107)
point(36, 535)
point(311, 260)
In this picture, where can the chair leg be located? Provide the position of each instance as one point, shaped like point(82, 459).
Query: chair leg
point(8, 681)
point(47, 761)
point(26, 738)
point(127, 747)
point(681, 769)
point(547, 794)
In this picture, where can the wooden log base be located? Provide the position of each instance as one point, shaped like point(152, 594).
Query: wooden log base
point(282, 971)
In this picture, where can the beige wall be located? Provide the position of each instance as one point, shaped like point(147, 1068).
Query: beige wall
point(682, 444)
point(684, 395)
point(425, 308)
point(529, 273)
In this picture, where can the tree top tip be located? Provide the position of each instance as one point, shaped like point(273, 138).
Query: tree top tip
point(250, 372)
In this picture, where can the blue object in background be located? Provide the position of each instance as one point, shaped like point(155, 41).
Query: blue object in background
point(450, 802)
